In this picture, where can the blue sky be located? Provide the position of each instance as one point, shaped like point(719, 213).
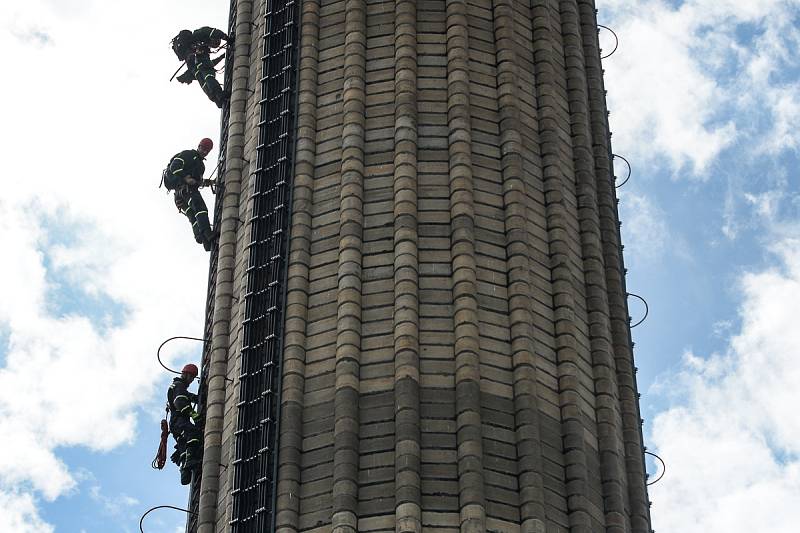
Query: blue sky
point(103, 268)
point(704, 102)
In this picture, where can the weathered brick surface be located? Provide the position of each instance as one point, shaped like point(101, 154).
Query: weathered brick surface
point(457, 352)
point(214, 498)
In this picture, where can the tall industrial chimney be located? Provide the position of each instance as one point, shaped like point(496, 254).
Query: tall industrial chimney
point(417, 313)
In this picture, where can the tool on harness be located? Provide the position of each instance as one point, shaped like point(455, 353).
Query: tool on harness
point(161, 455)
point(176, 72)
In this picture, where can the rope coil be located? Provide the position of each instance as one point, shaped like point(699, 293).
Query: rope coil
point(161, 455)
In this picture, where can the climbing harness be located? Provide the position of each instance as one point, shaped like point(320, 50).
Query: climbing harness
point(616, 40)
point(182, 46)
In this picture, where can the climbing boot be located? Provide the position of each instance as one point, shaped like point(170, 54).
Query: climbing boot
point(186, 476)
point(223, 97)
point(209, 236)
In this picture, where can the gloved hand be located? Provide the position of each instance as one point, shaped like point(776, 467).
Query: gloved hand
point(190, 180)
point(176, 457)
point(195, 416)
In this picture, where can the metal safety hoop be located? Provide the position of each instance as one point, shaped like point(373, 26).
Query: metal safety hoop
point(158, 352)
point(141, 520)
point(616, 40)
point(663, 468)
point(630, 170)
point(646, 308)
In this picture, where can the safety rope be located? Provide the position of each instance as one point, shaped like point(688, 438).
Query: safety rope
point(211, 182)
point(141, 520)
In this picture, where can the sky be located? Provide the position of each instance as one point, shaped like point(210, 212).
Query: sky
point(99, 268)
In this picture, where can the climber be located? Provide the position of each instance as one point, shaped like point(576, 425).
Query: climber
point(184, 176)
point(183, 423)
point(194, 47)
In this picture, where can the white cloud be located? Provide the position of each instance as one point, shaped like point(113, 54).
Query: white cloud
point(721, 328)
point(732, 439)
point(681, 81)
point(784, 102)
point(645, 229)
point(730, 220)
point(86, 135)
point(20, 514)
point(766, 204)
point(114, 505)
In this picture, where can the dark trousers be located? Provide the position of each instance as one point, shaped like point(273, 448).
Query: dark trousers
point(189, 442)
point(203, 71)
point(190, 202)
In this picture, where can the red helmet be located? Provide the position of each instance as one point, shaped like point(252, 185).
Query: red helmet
point(206, 144)
point(190, 369)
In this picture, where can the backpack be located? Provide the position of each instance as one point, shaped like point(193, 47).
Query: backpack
point(168, 179)
point(182, 44)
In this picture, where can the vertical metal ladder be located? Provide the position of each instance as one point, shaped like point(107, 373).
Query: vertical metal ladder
point(255, 464)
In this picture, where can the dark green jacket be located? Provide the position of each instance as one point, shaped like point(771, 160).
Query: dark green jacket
point(202, 38)
point(180, 400)
point(192, 64)
point(182, 165)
